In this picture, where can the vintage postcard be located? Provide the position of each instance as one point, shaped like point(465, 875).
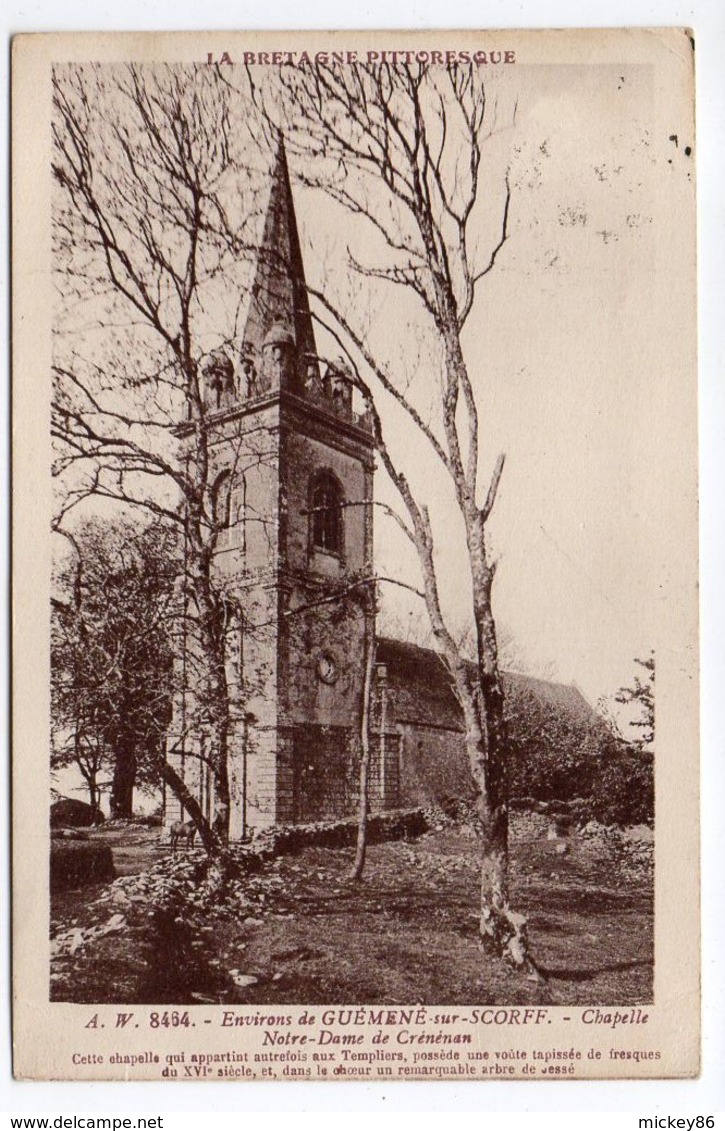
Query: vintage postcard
point(355, 556)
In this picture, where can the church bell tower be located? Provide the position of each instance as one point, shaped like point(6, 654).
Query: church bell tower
point(293, 465)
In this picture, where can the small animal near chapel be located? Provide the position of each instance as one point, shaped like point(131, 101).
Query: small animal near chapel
point(293, 467)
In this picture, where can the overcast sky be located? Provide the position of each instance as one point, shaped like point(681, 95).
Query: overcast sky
point(577, 339)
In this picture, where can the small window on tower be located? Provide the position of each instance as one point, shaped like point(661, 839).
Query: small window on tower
point(229, 511)
point(223, 501)
point(326, 514)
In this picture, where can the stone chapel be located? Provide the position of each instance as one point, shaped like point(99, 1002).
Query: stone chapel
point(293, 464)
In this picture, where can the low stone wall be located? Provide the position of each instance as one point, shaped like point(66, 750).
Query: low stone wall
point(394, 824)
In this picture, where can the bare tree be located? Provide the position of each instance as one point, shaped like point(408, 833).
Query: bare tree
point(399, 150)
point(146, 169)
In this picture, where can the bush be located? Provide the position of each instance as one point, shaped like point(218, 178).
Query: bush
point(623, 789)
point(76, 863)
point(554, 746)
point(70, 812)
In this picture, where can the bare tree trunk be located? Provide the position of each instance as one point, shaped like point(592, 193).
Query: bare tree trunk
point(501, 928)
point(213, 643)
point(364, 802)
point(124, 777)
point(181, 791)
point(90, 775)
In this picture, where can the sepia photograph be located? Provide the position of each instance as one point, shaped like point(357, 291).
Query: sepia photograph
point(366, 483)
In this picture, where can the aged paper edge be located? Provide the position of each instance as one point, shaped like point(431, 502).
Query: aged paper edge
point(31, 55)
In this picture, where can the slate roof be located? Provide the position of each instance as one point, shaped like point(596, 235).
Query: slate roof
point(546, 720)
point(424, 688)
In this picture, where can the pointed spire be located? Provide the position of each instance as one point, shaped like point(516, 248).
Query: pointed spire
point(279, 306)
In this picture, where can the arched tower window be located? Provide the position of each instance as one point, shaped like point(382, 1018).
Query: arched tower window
point(228, 502)
point(223, 501)
point(326, 527)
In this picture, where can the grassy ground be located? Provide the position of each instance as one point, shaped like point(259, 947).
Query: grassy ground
point(407, 934)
